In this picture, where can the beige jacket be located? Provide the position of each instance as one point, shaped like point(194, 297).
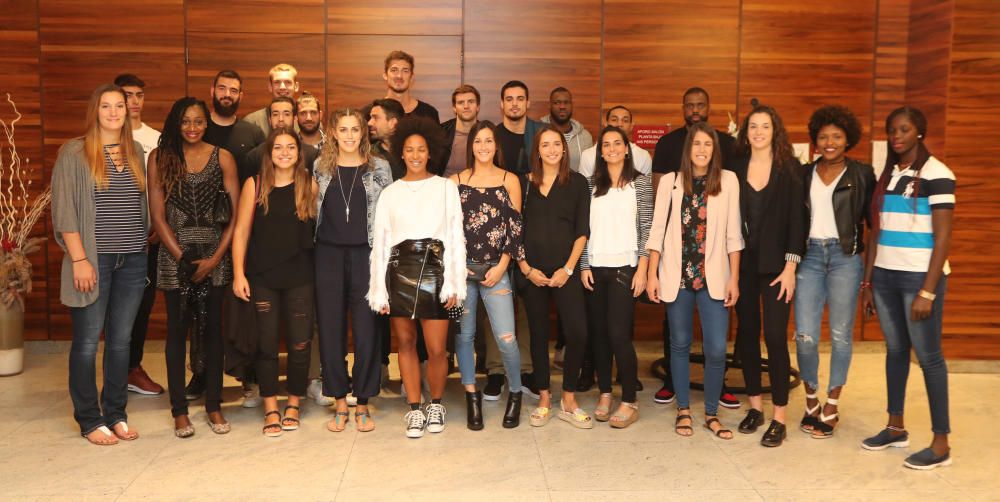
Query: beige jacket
point(723, 235)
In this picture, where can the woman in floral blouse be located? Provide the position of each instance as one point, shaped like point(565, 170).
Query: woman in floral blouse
point(490, 200)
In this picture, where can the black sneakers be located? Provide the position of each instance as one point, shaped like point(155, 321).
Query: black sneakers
point(494, 387)
point(925, 460)
point(885, 439)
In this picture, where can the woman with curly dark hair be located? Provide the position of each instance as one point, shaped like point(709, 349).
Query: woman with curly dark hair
point(772, 210)
point(418, 265)
point(837, 193)
point(186, 176)
point(906, 274)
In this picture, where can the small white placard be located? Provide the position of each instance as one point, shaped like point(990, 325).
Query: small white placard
point(879, 149)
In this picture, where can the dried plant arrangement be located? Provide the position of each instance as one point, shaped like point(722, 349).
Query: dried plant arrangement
point(19, 211)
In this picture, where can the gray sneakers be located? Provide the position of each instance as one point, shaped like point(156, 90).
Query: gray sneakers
point(925, 460)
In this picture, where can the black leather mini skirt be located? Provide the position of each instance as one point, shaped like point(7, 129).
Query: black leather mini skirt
point(414, 279)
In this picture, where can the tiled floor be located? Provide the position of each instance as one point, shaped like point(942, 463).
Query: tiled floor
point(43, 458)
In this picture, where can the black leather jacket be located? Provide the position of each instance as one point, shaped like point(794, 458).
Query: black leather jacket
point(851, 200)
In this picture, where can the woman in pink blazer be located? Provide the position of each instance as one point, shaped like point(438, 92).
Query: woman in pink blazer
point(696, 232)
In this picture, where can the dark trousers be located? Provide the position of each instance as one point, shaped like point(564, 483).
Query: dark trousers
point(568, 299)
point(756, 296)
point(342, 276)
point(294, 308)
point(612, 309)
point(120, 279)
point(177, 335)
point(141, 324)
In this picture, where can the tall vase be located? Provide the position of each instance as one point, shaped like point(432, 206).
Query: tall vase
point(11, 340)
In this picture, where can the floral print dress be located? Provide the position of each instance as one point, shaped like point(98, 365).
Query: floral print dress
point(694, 218)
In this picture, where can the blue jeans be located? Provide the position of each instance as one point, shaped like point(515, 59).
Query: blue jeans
point(499, 302)
point(714, 328)
point(894, 292)
point(121, 279)
point(826, 276)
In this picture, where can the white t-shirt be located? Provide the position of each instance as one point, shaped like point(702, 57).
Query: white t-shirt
point(640, 158)
point(824, 223)
point(147, 137)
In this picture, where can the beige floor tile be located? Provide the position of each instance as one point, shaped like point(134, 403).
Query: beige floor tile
point(656, 496)
point(841, 495)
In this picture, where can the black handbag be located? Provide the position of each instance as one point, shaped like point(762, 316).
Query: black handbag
point(222, 211)
point(477, 270)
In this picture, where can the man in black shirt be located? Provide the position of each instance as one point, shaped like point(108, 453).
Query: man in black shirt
point(281, 113)
point(667, 159)
point(383, 117)
point(517, 130)
point(667, 156)
point(223, 129)
point(398, 78)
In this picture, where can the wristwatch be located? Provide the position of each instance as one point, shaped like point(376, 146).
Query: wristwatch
point(569, 271)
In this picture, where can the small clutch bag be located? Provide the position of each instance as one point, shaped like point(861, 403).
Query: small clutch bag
point(477, 270)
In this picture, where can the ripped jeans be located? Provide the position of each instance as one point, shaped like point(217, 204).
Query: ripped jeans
point(294, 307)
point(499, 302)
point(826, 276)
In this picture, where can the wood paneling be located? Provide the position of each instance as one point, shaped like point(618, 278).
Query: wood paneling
point(928, 65)
point(80, 52)
point(891, 44)
point(395, 17)
point(972, 321)
point(654, 50)
point(798, 56)
point(252, 56)
point(543, 44)
point(355, 65)
point(256, 16)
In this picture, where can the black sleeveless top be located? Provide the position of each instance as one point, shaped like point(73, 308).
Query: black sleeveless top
point(280, 249)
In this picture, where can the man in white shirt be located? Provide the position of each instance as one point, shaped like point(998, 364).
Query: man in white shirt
point(620, 117)
point(138, 381)
point(135, 97)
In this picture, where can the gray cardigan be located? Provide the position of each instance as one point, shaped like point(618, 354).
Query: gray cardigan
point(74, 210)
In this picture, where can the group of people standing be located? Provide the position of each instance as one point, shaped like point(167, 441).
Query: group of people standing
point(398, 224)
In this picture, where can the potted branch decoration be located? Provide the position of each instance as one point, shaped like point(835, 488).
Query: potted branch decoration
point(19, 211)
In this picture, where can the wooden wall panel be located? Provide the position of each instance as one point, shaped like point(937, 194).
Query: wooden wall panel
point(395, 17)
point(20, 79)
point(928, 65)
point(355, 65)
point(18, 15)
point(256, 16)
point(543, 44)
point(252, 56)
point(891, 45)
point(799, 56)
point(77, 55)
point(654, 50)
point(972, 321)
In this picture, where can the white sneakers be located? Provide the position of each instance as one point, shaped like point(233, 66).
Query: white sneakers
point(315, 392)
point(251, 396)
point(415, 422)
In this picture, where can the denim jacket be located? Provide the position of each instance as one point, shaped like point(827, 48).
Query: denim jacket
point(374, 180)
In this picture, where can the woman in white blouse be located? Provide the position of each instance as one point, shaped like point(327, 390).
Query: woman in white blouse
point(418, 265)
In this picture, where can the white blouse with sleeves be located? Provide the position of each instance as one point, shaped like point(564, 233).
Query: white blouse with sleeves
point(425, 209)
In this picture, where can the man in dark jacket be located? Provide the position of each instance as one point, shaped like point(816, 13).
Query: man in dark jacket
point(517, 132)
point(667, 156)
point(465, 101)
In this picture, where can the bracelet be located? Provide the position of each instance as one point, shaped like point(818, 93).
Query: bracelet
point(927, 295)
point(81, 259)
point(865, 285)
point(530, 270)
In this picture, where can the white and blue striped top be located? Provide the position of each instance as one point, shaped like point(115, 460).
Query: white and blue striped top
point(118, 227)
point(906, 234)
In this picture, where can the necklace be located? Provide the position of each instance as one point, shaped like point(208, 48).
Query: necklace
point(419, 187)
point(347, 198)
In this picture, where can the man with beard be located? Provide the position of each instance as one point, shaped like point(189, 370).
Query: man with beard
point(560, 115)
point(398, 78)
point(517, 130)
point(310, 121)
point(667, 159)
point(465, 101)
point(383, 117)
point(667, 156)
point(224, 130)
point(282, 112)
point(280, 82)
point(620, 117)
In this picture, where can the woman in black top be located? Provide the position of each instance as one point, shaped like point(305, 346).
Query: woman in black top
point(556, 227)
point(772, 209)
point(186, 175)
point(274, 237)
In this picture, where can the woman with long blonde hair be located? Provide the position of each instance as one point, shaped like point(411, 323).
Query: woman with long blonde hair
point(273, 268)
point(99, 217)
point(349, 181)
